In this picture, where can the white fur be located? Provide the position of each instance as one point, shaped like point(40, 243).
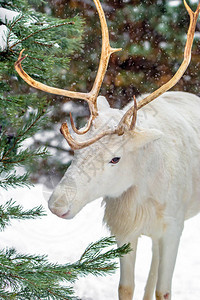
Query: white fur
point(151, 191)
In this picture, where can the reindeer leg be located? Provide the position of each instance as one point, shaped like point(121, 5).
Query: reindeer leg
point(153, 273)
point(127, 268)
point(168, 248)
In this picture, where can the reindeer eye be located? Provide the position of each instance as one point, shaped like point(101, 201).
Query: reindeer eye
point(115, 160)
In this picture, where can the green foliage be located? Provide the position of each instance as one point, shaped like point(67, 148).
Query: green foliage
point(10, 210)
point(100, 263)
point(13, 180)
point(33, 277)
point(48, 42)
point(15, 129)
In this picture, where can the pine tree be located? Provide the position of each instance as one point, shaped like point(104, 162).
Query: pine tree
point(49, 42)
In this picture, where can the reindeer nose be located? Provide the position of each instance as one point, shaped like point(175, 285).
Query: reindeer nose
point(58, 206)
point(62, 198)
point(60, 212)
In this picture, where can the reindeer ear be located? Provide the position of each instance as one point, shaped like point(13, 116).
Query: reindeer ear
point(142, 137)
point(102, 104)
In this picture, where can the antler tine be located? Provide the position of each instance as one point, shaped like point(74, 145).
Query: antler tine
point(80, 131)
point(124, 122)
point(106, 52)
point(179, 73)
point(134, 117)
point(90, 97)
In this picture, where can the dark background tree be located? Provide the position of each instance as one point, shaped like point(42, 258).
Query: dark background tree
point(152, 35)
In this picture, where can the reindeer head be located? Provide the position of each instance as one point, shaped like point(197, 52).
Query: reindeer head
point(103, 148)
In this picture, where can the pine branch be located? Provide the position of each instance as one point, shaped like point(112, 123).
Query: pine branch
point(11, 29)
point(39, 31)
point(25, 156)
point(10, 211)
point(29, 125)
point(43, 44)
point(13, 180)
point(23, 133)
point(98, 262)
point(33, 277)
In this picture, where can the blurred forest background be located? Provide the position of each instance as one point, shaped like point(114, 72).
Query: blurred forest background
point(152, 35)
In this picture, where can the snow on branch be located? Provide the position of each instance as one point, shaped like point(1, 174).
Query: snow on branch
point(7, 16)
point(3, 37)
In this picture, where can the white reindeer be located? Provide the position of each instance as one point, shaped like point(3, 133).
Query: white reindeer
point(147, 169)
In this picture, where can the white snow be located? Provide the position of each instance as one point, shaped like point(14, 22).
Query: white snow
point(174, 3)
point(194, 1)
point(3, 37)
point(197, 35)
point(65, 240)
point(7, 15)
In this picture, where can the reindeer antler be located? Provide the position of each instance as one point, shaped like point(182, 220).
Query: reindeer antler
point(90, 97)
point(179, 73)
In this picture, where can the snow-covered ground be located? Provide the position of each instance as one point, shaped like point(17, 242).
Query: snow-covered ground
point(65, 240)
